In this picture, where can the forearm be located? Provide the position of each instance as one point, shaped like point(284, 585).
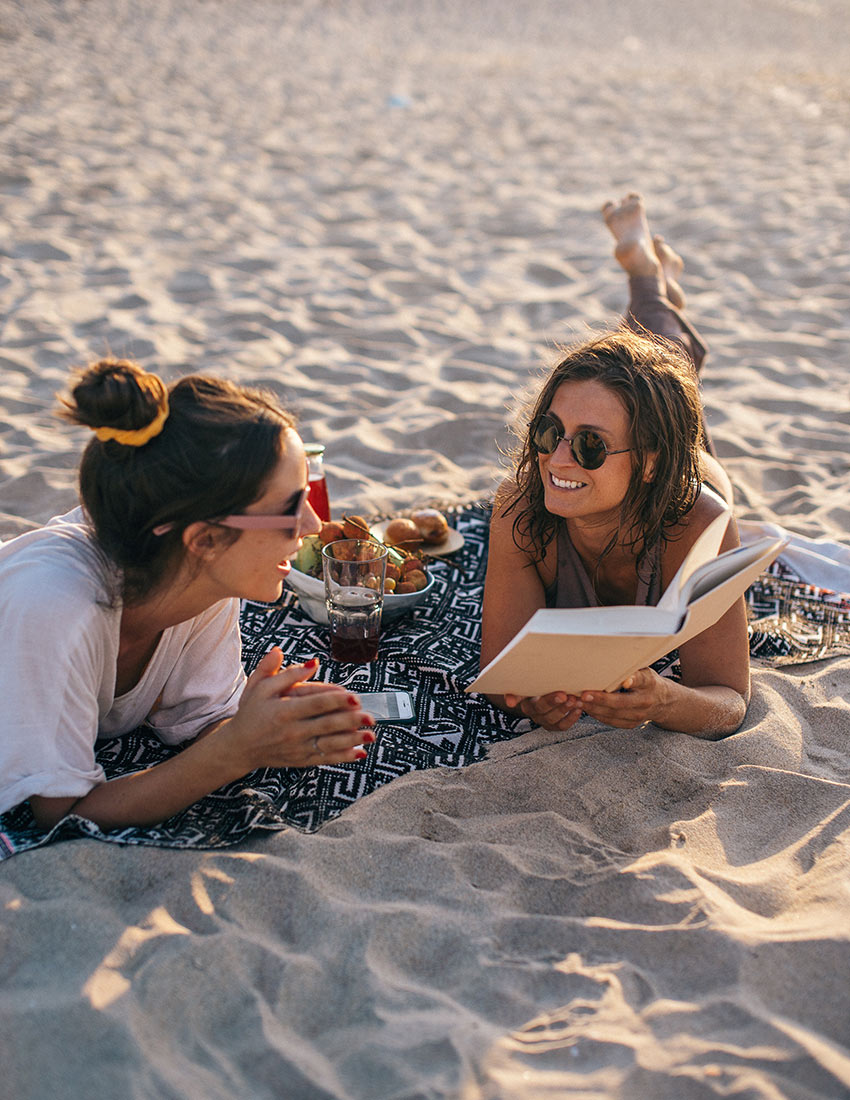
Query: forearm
point(151, 796)
point(709, 712)
point(280, 723)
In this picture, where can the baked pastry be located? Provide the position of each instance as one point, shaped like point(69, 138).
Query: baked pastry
point(431, 524)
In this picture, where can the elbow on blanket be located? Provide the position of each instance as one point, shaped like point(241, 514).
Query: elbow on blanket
point(50, 811)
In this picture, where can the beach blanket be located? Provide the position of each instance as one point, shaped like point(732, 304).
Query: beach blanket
point(432, 653)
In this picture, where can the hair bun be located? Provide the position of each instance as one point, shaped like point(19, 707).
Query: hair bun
point(115, 394)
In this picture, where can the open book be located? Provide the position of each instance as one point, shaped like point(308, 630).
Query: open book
point(597, 648)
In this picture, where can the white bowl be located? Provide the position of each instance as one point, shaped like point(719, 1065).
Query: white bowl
point(311, 596)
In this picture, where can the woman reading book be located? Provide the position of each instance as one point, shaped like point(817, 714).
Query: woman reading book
point(613, 484)
point(127, 610)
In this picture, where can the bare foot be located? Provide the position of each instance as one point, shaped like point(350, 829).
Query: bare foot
point(634, 250)
point(672, 265)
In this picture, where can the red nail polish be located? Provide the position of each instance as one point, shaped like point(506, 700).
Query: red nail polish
point(352, 701)
point(368, 737)
point(312, 663)
point(361, 754)
point(368, 720)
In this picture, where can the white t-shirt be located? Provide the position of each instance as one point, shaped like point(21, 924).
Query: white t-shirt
point(58, 661)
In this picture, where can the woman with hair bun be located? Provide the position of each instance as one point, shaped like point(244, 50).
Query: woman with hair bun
point(611, 488)
point(126, 610)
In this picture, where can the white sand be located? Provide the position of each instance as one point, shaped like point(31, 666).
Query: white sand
point(388, 213)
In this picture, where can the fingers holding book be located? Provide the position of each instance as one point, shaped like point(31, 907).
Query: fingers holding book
point(640, 700)
point(555, 711)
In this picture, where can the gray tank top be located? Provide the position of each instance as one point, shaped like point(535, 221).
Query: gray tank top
point(573, 587)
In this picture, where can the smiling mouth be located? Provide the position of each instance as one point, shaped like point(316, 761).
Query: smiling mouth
point(562, 483)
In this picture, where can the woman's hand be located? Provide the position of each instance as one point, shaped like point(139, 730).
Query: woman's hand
point(642, 697)
point(709, 711)
point(556, 711)
point(284, 721)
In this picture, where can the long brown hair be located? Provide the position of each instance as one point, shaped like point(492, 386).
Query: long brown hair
point(657, 386)
point(216, 450)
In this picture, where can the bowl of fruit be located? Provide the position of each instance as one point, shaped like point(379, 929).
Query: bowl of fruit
point(408, 579)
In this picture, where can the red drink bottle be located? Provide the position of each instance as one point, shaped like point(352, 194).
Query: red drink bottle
point(318, 487)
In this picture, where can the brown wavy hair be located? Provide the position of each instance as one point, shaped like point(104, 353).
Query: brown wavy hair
point(657, 385)
point(219, 445)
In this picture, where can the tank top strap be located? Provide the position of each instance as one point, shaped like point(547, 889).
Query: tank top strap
point(649, 578)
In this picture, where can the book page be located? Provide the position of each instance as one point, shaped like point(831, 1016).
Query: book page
point(716, 572)
point(707, 607)
point(703, 551)
point(591, 621)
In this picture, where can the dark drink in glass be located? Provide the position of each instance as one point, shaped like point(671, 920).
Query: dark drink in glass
point(355, 572)
point(355, 651)
point(355, 621)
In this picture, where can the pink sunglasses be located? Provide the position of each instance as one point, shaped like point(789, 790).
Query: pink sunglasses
point(293, 521)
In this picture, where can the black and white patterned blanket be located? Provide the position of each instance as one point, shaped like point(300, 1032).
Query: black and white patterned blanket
point(433, 654)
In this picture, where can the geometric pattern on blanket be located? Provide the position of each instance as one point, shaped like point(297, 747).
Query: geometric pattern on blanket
point(792, 622)
point(433, 654)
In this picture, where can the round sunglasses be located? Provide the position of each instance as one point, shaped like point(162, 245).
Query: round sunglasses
point(588, 447)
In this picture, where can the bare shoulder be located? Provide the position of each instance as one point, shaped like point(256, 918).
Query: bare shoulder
point(709, 505)
point(507, 504)
point(707, 508)
point(506, 493)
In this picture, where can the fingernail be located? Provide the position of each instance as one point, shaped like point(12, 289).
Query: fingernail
point(311, 663)
point(353, 701)
point(368, 737)
point(367, 720)
point(361, 754)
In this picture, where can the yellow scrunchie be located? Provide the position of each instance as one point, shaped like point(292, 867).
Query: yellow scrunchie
point(138, 437)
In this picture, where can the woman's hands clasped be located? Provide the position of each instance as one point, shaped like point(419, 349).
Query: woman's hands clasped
point(641, 699)
point(284, 721)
